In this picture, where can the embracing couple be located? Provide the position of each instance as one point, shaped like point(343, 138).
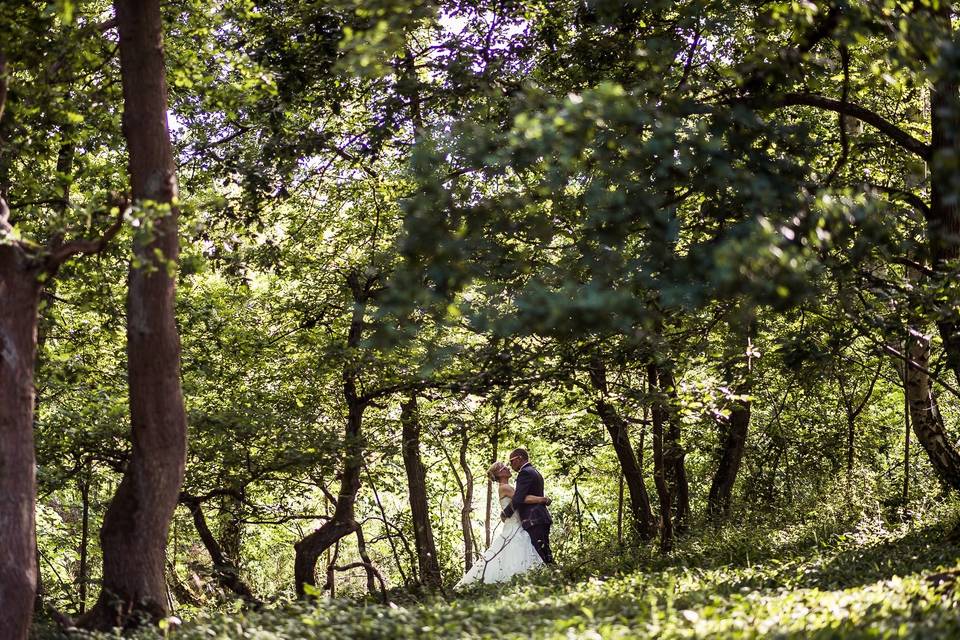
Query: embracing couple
point(523, 542)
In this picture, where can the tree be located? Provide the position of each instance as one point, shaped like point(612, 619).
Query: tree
point(24, 268)
point(134, 533)
point(739, 366)
point(427, 560)
point(343, 522)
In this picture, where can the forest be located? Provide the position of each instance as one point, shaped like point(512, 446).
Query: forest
point(291, 293)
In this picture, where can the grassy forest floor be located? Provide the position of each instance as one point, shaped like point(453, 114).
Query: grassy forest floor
point(822, 578)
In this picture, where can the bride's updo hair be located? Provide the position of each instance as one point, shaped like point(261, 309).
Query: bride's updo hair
point(495, 470)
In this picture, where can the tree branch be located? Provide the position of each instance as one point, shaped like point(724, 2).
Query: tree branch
point(915, 365)
point(60, 253)
point(884, 126)
point(910, 198)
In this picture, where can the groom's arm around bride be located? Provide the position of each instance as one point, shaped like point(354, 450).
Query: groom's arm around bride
point(531, 505)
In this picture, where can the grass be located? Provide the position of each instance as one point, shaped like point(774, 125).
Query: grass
point(820, 577)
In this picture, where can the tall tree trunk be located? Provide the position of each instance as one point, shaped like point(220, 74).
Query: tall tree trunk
point(673, 452)
point(660, 417)
point(925, 413)
point(83, 577)
point(944, 219)
point(619, 509)
point(343, 522)
point(428, 564)
point(465, 524)
point(494, 444)
point(739, 374)
point(19, 298)
point(906, 426)
point(134, 533)
point(640, 510)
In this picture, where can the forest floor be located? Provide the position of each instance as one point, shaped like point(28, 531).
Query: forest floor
point(823, 578)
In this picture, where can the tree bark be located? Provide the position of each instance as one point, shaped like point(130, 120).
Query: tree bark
point(925, 412)
point(19, 299)
point(134, 533)
point(673, 453)
point(83, 574)
point(494, 443)
point(660, 417)
point(428, 564)
point(343, 522)
point(465, 525)
point(906, 428)
point(737, 423)
point(640, 509)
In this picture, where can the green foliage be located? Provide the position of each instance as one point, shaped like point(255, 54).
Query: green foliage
point(812, 580)
point(527, 190)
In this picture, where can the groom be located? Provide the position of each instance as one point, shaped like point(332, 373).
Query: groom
point(533, 517)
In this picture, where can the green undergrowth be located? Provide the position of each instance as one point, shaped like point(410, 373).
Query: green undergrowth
point(818, 577)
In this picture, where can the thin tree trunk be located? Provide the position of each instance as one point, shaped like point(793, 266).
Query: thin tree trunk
point(386, 525)
point(576, 506)
point(465, 524)
point(465, 529)
point(330, 585)
point(365, 557)
point(620, 510)
point(673, 453)
point(82, 574)
point(906, 428)
point(660, 418)
point(640, 511)
point(739, 373)
point(427, 562)
point(134, 533)
point(494, 443)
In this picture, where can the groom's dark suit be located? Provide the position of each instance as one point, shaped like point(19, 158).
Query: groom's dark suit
point(533, 517)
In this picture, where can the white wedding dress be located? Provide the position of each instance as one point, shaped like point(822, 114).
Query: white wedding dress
point(510, 552)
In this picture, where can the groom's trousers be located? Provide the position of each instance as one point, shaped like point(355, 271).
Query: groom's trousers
point(540, 535)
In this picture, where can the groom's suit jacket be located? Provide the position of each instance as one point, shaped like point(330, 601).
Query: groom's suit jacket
point(529, 483)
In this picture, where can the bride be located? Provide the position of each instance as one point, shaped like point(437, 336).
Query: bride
point(511, 551)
